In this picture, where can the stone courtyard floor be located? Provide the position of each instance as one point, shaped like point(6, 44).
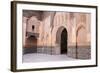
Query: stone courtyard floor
point(37, 57)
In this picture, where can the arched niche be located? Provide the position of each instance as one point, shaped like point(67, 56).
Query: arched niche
point(81, 35)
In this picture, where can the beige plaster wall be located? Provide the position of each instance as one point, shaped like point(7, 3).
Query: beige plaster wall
point(76, 24)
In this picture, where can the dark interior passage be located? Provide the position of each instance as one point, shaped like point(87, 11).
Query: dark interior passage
point(64, 42)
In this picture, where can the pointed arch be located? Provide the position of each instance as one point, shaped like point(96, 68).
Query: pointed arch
point(81, 35)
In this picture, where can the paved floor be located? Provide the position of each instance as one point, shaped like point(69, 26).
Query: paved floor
point(37, 57)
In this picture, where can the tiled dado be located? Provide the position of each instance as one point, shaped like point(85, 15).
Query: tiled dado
point(83, 52)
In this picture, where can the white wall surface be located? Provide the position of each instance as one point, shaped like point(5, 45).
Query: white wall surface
point(5, 37)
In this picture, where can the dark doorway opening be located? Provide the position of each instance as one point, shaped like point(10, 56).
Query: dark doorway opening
point(33, 27)
point(31, 45)
point(64, 42)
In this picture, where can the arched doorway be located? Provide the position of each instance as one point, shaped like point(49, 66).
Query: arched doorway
point(31, 45)
point(64, 41)
point(61, 40)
